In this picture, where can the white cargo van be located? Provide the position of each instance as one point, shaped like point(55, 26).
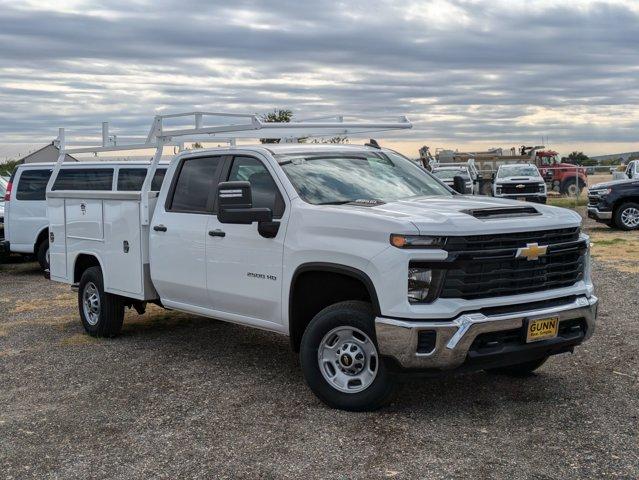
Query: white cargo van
point(26, 223)
point(370, 264)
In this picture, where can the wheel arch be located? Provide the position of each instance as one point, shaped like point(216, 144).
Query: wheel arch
point(299, 318)
point(43, 234)
point(83, 261)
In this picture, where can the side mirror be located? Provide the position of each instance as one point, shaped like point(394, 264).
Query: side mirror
point(459, 184)
point(235, 204)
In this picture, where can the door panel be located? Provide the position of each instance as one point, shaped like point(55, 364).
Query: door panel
point(178, 233)
point(244, 269)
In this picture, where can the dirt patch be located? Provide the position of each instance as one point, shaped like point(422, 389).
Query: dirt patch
point(616, 248)
point(78, 339)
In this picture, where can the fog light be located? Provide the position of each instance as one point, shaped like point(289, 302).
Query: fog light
point(419, 282)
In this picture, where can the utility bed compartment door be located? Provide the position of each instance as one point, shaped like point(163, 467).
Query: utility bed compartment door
point(84, 219)
point(122, 249)
point(57, 240)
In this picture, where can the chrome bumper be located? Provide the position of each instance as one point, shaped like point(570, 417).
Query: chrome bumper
point(398, 338)
point(598, 214)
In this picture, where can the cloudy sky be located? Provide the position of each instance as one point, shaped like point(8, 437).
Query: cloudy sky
point(469, 74)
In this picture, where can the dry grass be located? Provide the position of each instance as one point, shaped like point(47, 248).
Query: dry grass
point(616, 248)
point(78, 339)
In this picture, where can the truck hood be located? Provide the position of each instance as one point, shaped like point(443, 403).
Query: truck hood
point(439, 215)
point(612, 183)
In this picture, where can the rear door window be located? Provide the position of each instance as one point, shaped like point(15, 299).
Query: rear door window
point(131, 179)
point(32, 185)
point(196, 184)
point(84, 179)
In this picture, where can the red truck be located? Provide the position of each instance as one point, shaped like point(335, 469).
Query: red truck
point(567, 178)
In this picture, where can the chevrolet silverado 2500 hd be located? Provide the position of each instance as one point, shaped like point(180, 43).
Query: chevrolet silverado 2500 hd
point(369, 263)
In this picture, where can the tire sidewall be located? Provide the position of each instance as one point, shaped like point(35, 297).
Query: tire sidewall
point(358, 315)
point(93, 275)
point(618, 221)
point(41, 254)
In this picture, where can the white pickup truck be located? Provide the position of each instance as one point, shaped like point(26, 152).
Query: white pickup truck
point(370, 264)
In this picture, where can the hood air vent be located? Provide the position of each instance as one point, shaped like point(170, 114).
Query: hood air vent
point(501, 212)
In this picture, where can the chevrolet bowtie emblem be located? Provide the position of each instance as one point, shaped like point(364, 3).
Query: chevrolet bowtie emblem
point(521, 185)
point(531, 251)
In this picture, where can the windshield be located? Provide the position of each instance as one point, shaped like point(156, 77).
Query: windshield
point(336, 178)
point(518, 171)
point(449, 174)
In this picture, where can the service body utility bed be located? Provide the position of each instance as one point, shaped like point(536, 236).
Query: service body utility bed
point(368, 262)
point(108, 226)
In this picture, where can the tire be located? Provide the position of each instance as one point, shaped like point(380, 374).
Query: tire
point(353, 324)
point(570, 188)
point(520, 369)
point(626, 216)
point(104, 312)
point(43, 254)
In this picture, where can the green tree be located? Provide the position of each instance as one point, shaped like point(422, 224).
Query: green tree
point(577, 158)
point(279, 116)
point(7, 168)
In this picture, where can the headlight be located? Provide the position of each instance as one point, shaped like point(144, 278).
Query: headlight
point(542, 187)
point(416, 241)
point(419, 283)
point(498, 190)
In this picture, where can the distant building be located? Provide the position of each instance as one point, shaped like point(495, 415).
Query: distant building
point(48, 153)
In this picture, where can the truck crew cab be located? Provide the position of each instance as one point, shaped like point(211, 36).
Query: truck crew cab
point(367, 262)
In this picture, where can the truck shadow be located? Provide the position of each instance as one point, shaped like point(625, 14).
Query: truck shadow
point(266, 361)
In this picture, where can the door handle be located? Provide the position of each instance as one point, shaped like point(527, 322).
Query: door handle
point(217, 233)
point(159, 228)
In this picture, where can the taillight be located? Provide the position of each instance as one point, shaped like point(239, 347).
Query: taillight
point(7, 194)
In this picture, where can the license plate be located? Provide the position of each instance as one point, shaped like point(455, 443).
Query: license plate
point(542, 329)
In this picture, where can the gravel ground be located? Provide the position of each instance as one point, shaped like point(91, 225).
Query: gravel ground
point(178, 396)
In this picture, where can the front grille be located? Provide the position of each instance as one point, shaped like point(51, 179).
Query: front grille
point(486, 265)
point(511, 240)
point(593, 200)
point(511, 189)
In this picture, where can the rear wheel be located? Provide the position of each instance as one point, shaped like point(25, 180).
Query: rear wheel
point(42, 254)
point(340, 359)
point(571, 188)
point(102, 313)
point(627, 216)
point(520, 369)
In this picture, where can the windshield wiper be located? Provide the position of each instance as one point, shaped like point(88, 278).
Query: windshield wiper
point(339, 202)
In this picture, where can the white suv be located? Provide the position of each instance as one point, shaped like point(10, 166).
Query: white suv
point(26, 222)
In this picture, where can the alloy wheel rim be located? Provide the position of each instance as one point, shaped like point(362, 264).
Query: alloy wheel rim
point(348, 359)
point(91, 304)
point(630, 217)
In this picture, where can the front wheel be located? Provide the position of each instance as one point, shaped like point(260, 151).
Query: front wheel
point(102, 313)
point(340, 358)
point(627, 216)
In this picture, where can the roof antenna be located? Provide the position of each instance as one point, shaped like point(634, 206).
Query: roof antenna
point(373, 143)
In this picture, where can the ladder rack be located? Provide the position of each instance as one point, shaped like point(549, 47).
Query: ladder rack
point(237, 126)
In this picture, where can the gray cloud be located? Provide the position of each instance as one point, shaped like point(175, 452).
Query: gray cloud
point(484, 72)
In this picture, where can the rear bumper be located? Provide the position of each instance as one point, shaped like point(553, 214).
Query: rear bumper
point(453, 340)
point(595, 213)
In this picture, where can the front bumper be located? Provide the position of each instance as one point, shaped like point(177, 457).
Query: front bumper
point(453, 338)
point(595, 213)
point(528, 197)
